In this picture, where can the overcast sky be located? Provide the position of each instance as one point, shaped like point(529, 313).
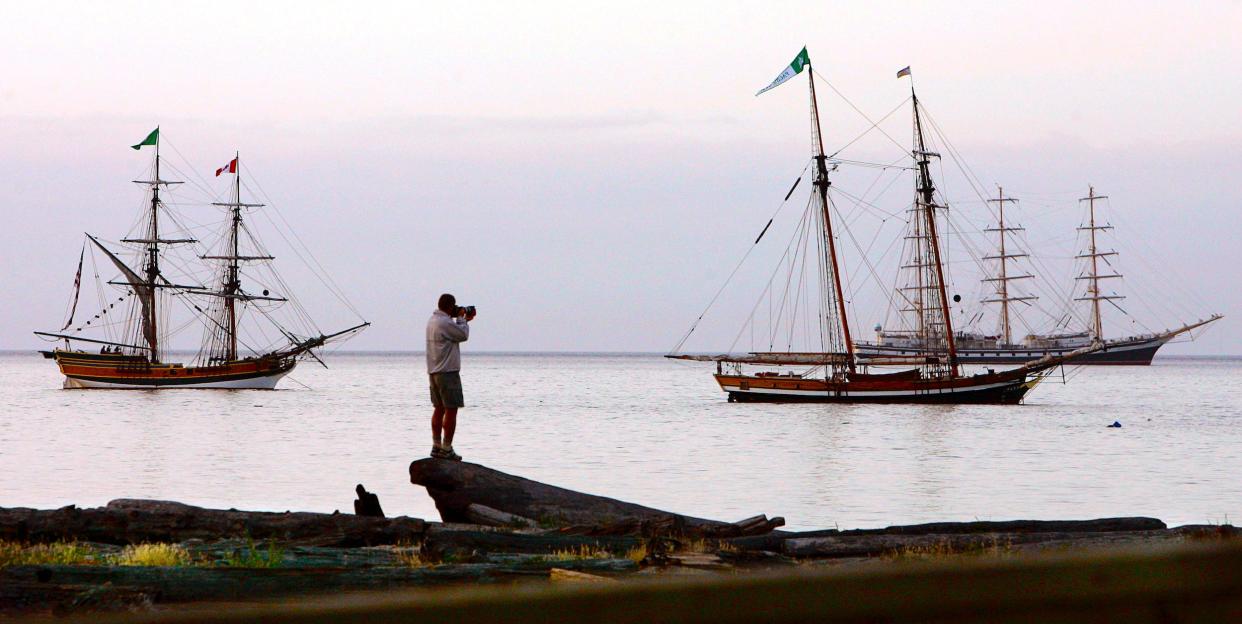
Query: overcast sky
point(586, 173)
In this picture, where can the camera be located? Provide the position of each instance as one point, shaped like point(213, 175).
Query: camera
point(467, 310)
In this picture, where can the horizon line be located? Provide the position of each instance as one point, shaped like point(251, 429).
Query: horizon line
point(7, 351)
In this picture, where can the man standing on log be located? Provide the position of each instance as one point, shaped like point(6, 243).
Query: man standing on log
point(446, 330)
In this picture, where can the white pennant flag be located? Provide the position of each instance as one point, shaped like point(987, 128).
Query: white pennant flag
point(795, 68)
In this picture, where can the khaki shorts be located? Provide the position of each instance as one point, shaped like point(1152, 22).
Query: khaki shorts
point(446, 390)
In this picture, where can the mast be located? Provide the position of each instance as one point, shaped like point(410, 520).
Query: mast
point(148, 285)
point(1093, 277)
point(1004, 277)
point(925, 192)
point(231, 290)
point(153, 259)
point(821, 191)
point(231, 285)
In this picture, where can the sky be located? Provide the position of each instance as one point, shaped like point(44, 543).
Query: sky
point(588, 174)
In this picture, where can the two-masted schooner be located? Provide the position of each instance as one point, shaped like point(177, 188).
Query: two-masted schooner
point(134, 316)
point(1002, 348)
point(836, 374)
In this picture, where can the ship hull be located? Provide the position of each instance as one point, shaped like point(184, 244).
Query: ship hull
point(258, 382)
point(1125, 353)
point(120, 372)
point(1008, 387)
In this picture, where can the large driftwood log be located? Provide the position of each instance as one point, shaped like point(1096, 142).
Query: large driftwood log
point(455, 486)
point(774, 541)
point(482, 514)
point(957, 543)
point(35, 587)
point(129, 521)
point(1098, 525)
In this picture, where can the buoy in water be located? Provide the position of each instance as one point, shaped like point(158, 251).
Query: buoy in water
point(1116, 425)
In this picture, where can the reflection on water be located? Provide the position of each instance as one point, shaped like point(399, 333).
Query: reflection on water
point(639, 428)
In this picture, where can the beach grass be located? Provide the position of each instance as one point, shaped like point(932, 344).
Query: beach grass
point(56, 553)
point(256, 556)
point(155, 555)
point(411, 555)
point(585, 551)
point(704, 545)
point(13, 553)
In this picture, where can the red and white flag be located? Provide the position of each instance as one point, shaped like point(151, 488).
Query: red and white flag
point(229, 168)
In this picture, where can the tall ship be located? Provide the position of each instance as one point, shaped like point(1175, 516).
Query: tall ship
point(835, 373)
point(1096, 270)
point(125, 345)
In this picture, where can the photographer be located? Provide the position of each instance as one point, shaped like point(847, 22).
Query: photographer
point(446, 330)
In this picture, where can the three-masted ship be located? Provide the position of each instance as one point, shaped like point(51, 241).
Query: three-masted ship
point(837, 374)
point(134, 316)
point(1001, 348)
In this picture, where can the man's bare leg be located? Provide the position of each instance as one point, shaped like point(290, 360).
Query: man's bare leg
point(437, 424)
point(450, 426)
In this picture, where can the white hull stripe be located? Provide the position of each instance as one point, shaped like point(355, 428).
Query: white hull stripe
point(253, 383)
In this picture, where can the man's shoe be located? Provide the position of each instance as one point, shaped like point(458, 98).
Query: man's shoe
point(437, 452)
point(449, 454)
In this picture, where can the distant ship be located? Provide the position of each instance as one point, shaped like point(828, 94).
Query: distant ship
point(978, 348)
point(835, 374)
point(134, 320)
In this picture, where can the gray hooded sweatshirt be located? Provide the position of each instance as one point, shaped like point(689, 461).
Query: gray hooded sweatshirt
point(444, 333)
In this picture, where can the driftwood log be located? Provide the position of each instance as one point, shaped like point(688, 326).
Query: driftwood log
point(24, 588)
point(130, 521)
point(774, 542)
point(956, 543)
point(1188, 583)
point(562, 575)
point(456, 486)
point(1099, 525)
point(482, 514)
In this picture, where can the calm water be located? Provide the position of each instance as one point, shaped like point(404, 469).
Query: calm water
point(643, 429)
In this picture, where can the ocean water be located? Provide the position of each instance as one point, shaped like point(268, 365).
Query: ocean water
point(640, 428)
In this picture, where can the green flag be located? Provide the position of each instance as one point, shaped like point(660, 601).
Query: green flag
point(151, 139)
point(795, 68)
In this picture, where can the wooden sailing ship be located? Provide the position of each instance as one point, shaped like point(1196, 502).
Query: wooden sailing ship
point(836, 374)
point(131, 353)
point(1001, 348)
